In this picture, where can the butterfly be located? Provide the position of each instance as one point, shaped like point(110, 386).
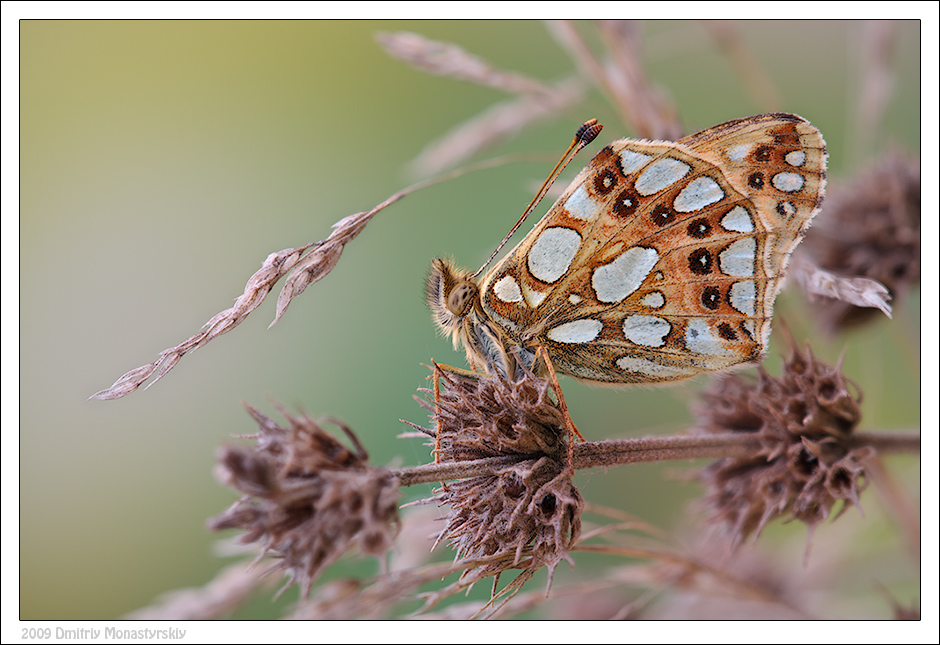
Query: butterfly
point(660, 261)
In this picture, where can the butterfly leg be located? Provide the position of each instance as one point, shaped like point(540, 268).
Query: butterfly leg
point(448, 373)
point(437, 413)
point(569, 423)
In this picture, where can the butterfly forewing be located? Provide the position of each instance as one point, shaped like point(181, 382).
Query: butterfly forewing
point(662, 259)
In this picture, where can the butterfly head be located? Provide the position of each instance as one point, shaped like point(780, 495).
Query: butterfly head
point(454, 298)
point(451, 294)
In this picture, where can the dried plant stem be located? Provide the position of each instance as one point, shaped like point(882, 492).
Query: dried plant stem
point(622, 78)
point(877, 43)
point(727, 35)
point(616, 452)
point(898, 504)
point(888, 441)
point(429, 473)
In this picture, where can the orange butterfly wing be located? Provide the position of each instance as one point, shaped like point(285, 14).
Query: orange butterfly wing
point(662, 260)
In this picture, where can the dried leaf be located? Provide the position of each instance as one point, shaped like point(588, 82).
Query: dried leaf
point(861, 292)
point(869, 228)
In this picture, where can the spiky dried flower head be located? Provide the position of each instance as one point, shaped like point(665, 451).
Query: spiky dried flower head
point(528, 510)
point(870, 227)
point(307, 497)
point(807, 460)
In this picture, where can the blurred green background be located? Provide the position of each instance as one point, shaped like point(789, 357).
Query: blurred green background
point(162, 161)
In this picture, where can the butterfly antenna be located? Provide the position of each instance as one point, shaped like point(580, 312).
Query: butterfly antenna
point(585, 135)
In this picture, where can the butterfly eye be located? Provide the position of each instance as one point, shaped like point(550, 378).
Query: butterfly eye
point(460, 298)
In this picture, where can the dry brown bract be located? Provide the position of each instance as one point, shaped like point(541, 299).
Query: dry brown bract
point(308, 498)
point(808, 458)
point(870, 228)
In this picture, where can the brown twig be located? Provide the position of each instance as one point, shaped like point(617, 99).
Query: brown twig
point(617, 452)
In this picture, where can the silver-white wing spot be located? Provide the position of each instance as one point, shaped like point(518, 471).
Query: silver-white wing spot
point(699, 193)
point(507, 289)
point(739, 152)
point(615, 281)
point(581, 206)
point(633, 161)
point(551, 254)
point(742, 296)
point(533, 297)
point(654, 299)
point(583, 330)
point(737, 219)
point(788, 182)
point(660, 174)
point(749, 328)
point(796, 158)
point(738, 258)
point(649, 331)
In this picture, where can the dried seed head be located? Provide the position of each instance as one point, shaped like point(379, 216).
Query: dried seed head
point(806, 461)
point(528, 511)
point(870, 228)
point(483, 416)
point(308, 498)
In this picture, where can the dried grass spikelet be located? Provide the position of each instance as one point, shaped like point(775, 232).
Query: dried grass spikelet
point(527, 511)
point(870, 227)
point(807, 460)
point(619, 73)
point(447, 59)
point(308, 498)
